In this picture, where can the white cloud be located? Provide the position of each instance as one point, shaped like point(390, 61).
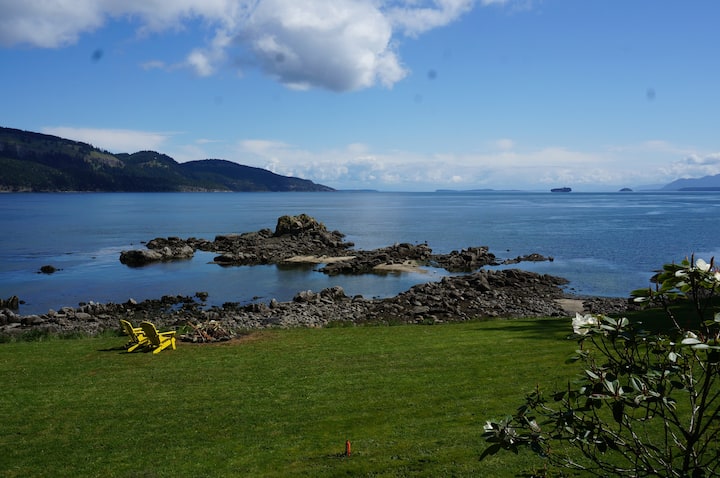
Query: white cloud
point(414, 20)
point(339, 45)
point(201, 62)
point(694, 166)
point(502, 166)
point(47, 24)
point(113, 140)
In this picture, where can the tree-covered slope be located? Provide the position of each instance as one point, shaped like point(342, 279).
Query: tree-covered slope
point(236, 177)
point(37, 162)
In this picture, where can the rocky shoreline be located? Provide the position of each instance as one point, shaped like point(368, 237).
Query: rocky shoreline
point(302, 238)
point(480, 293)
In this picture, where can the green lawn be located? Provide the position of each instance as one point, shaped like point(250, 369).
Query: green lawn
point(411, 399)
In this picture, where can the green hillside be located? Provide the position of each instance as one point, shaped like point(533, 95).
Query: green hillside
point(37, 162)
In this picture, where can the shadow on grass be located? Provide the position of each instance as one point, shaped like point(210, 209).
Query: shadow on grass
point(543, 328)
point(657, 320)
point(652, 319)
point(120, 349)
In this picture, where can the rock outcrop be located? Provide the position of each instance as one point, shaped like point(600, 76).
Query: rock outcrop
point(158, 250)
point(466, 260)
point(293, 236)
point(364, 262)
point(303, 236)
point(10, 303)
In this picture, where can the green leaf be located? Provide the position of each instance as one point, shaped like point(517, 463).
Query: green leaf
point(677, 384)
point(618, 409)
point(647, 292)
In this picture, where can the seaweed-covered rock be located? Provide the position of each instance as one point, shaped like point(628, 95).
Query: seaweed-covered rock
point(466, 260)
point(294, 225)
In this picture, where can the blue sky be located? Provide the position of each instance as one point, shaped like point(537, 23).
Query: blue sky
point(395, 95)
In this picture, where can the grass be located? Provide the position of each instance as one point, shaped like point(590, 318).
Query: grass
point(411, 399)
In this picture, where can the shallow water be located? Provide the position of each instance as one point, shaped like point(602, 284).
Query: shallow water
point(604, 243)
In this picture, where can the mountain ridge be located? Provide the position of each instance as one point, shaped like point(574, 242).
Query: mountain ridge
point(37, 162)
point(706, 183)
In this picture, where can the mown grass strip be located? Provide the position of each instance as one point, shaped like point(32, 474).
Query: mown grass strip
point(411, 399)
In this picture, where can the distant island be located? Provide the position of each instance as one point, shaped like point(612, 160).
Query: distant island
point(561, 190)
point(35, 162)
point(706, 183)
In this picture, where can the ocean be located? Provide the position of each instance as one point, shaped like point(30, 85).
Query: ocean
point(605, 244)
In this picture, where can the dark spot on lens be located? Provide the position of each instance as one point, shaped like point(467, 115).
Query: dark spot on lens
point(97, 55)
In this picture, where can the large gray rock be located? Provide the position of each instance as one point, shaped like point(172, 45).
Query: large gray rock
point(158, 250)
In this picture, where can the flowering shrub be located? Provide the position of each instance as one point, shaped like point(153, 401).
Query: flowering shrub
point(646, 404)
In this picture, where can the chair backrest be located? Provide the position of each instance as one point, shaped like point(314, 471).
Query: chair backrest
point(129, 329)
point(150, 332)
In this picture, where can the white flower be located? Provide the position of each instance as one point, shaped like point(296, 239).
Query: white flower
point(582, 323)
point(701, 265)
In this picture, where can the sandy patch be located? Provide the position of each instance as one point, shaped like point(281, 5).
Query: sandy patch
point(572, 306)
point(407, 266)
point(318, 259)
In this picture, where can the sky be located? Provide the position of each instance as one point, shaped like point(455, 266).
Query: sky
point(393, 95)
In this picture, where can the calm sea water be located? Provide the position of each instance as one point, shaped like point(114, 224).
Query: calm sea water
point(605, 243)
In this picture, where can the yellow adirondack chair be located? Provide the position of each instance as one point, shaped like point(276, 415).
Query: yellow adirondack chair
point(136, 334)
point(158, 341)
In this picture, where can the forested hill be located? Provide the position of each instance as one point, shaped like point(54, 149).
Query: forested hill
point(39, 162)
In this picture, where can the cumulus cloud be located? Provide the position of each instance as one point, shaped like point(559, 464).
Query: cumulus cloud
point(47, 24)
point(502, 166)
point(694, 166)
point(340, 45)
point(113, 140)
